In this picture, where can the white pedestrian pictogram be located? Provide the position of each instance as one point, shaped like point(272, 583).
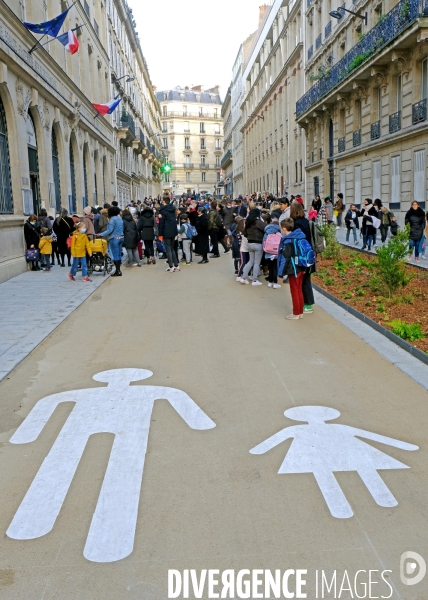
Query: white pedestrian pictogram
point(121, 409)
point(321, 448)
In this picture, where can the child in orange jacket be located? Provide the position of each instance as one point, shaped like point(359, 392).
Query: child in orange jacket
point(45, 248)
point(80, 246)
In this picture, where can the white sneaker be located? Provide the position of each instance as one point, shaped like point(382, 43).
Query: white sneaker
point(276, 286)
point(257, 283)
point(238, 279)
point(293, 317)
point(338, 227)
point(243, 280)
point(270, 285)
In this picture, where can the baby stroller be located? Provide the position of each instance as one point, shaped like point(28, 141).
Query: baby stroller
point(100, 261)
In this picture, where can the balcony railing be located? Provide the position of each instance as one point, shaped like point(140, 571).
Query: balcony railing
point(375, 130)
point(226, 157)
point(356, 138)
point(318, 42)
point(395, 122)
point(419, 112)
point(327, 29)
point(392, 25)
point(188, 166)
point(310, 52)
point(127, 121)
point(203, 166)
point(341, 144)
point(142, 138)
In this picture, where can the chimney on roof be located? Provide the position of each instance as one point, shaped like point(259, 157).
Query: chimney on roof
point(262, 12)
point(214, 90)
point(187, 87)
point(198, 88)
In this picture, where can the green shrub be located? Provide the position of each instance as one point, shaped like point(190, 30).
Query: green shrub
point(381, 308)
point(407, 331)
point(329, 280)
point(332, 248)
point(347, 295)
point(390, 265)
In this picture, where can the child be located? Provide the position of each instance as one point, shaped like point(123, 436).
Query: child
point(244, 255)
point(186, 239)
point(79, 247)
point(271, 251)
point(45, 247)
point(236, 236)
point(287, 265)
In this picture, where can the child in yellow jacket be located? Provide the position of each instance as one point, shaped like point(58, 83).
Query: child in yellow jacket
point(45, 248)
point(80, 246)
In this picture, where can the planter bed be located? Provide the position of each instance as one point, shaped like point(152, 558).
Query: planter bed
point(352, 285)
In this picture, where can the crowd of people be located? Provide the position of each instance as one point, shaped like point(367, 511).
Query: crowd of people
point(265, 235)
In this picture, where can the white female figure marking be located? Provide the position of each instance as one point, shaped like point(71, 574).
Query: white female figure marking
point(322, 449)
point(120, 409)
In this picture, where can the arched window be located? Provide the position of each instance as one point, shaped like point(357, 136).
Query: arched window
point(6, 200)
point(55, 168)
point(72, 205)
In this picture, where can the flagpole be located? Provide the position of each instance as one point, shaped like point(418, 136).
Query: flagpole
point(47, 33)
point(49, 41)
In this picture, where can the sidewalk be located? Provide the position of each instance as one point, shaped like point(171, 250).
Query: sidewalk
point(341, 237)
point(32, 305)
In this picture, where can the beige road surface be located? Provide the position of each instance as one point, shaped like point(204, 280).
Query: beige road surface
point(206, 502)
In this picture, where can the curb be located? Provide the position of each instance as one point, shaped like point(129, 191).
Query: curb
point(379, 328)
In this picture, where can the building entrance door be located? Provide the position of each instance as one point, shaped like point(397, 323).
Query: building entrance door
point(33, 163)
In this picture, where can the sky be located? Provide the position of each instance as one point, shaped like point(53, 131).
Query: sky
point(193, 42)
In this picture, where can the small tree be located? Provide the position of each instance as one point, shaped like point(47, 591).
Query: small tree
point(390, 264)
point(332, 247)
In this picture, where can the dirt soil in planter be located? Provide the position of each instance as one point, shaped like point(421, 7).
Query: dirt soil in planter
point(351, 284)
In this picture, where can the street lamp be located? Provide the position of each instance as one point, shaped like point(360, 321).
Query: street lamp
point(337, 14)
point(127, 81)
point(258, 116)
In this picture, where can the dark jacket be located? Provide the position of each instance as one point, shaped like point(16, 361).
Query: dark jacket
point(214, 220)
point(229, 216)
point(32, 234)
point(146, 225)
point(302, 223)
point(255, 233)
point(276, 213)
point(416, 220)
point(130, 232)
point(103, 221)
point(349, 219)
point(202, 245)
point(368, 228)
point(168, 222)
point(316, 204)
point(63, 227)
point(236, 241)
point(286, 253)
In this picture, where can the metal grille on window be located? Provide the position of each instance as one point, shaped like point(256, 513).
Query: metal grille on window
point(6, 202)
point(55, 168)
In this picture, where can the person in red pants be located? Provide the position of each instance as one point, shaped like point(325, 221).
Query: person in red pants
point(287, 265)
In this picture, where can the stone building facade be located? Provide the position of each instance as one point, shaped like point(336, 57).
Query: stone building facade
point(236, 98)
point(227, 161)
point(365, 109)
point(192, 139)
point(53, 152)
point(273, 144)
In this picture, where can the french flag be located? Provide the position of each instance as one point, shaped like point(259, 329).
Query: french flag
point(109, 107)
point(69, 41)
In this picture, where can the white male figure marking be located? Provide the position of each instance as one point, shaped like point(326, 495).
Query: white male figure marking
point(322, 448)
point(120, 409)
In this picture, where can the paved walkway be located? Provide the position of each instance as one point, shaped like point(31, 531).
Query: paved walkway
point(32, 305)
point(341, 236)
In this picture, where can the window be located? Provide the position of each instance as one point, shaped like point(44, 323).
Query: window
point(86, 7)
point(201, 111)
point(165, 96)
point(217, 144)
point(204, 177)
point(164, 127)
point(358, 119)
point(164, 111)
point(186, 127)
point(316, 186)
point(297, 176)
point(165, 143)
point(217, 129)
point(187, 157)
point(203, 161)
point(217, 162)
point(218, 177)
point(166, 177)
point(97, 29)
point(184, 111)
point(201, 127)
point(187, 143)
point(419, 177)
point(424, 79)
point(395, 182)
point(376, 179)
point(357, 185)
point(203, 144)
point(399, 92)
point(342, 183)
point(301, 170)
point(188, 176)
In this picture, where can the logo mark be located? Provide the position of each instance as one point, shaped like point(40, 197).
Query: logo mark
point(409, 563)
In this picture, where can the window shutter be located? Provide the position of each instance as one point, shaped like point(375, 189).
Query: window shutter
point(419, 176)
point(376, 179)
point(357, 184)
point(395, 181)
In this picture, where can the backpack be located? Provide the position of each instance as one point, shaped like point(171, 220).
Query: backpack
point(317, 237)
point(271, 243)
point(191, 231)
point(304, 256)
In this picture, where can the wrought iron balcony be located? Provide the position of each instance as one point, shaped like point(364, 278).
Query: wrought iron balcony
point(203, 166)
point(226, 158)
point(395, 122)
point(341, 144)
point(318, 42)
point(310, 52)
point(142, 138)
point(419, 112)
point(356, 138)
point(391, 26)
point(375, 130)
point(126, 121)
point(188, 166)
point(327, 29)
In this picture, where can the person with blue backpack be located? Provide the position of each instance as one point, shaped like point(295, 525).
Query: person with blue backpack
point(271, 242)
point(187, 233)
point(295, 255)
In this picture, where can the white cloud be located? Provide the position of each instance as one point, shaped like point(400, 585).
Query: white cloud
point(193, 42)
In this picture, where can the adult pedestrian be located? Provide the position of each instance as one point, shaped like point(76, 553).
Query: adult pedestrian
point(88, 221)
point(32, 237)
point(229, 214)
point(415, 218)
point(63, 227)
point(352, 223)
point(130, 239)
point(338, 210)
point(214, 225)
point(146, 230)
point(254, 232)
point(297, 213)
point(328, 209)
point(202, 243)
point(385, 216)
point(114, 233)
point(284, 205)
point(168, 231)
point(44, 220)
point(368, 229)
point(103, 220)
point(316, 203)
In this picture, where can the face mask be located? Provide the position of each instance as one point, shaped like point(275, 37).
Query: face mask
point(82, 230)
